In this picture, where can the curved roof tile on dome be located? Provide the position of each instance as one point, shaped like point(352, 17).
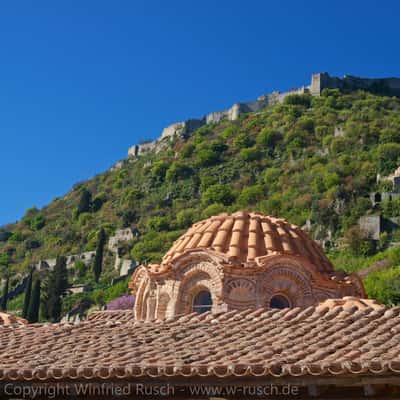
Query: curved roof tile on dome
point(9, 319)
point(246, 236)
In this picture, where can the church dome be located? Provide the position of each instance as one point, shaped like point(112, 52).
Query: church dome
point(245, 238)
point(239, 261)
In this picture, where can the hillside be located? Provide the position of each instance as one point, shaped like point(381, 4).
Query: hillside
point(309, 159)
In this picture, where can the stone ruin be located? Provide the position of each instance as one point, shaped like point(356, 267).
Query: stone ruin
point(377, 197)
point(123, 265)
point(393, 178)
point(49, 264)
point(319, 82)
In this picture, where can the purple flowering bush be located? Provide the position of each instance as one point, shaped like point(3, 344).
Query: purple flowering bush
point(125, 302)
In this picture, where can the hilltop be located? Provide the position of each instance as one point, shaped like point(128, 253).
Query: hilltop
point(311, 156)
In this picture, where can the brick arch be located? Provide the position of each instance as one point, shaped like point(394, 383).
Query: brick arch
point(193, 279)
point(240, 293)
point(141, 287)
point(286, 280)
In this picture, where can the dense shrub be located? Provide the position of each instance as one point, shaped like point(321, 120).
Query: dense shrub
point(384, 286)
point(16, 237)
point(207, 157)
point(178, 170)
point(250, 195)
point(268, 137)
point(298, 100)
point(243, 140)
point(185, 218)
point(4, 235)
point(391, 208)
point(158, 224)
point(187, 150)
point(98, 202)
point(359, 243)
point(159, 170)
point(213, 209)
point(250, 154)
point(32, 244)
point(389, 157)
point(218, 194)
point(229, 132)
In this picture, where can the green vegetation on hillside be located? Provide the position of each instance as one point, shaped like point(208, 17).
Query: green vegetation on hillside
point(288, 160)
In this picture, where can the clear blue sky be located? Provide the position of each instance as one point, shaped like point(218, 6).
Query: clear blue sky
point(81, 81)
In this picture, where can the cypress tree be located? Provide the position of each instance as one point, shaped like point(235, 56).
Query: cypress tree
point(85, 201)
point(44, 309)
point(27, 298)
point(98, 259)
point(4, 299)
point(34, 304)
point(55, 286)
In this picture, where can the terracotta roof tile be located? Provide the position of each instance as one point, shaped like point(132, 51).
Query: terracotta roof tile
point(9, 319)
point(337, 337)
point(246, 236)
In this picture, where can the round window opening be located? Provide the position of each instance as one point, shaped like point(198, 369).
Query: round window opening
point(202, 302)
point(279, 301)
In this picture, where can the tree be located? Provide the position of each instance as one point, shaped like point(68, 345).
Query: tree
point(4, 299)
point(55, 286)
point(84, 201)
point(34, 304)
point(98, 259)
point(28, 291)
point(61, 275)
point(44, 309)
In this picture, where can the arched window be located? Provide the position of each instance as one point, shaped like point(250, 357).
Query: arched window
point(202, 302)
point(279, 301)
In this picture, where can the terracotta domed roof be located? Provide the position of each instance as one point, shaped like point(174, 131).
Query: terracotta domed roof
point(9, 319)
point(244, 237)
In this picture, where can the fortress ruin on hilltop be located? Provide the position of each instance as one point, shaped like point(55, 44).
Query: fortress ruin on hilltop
point(319, 82)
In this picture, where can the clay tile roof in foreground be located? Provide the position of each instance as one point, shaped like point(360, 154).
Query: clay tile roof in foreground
point(112, 315)
point(325, 340)
point(246, 236)
point(9, 319)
